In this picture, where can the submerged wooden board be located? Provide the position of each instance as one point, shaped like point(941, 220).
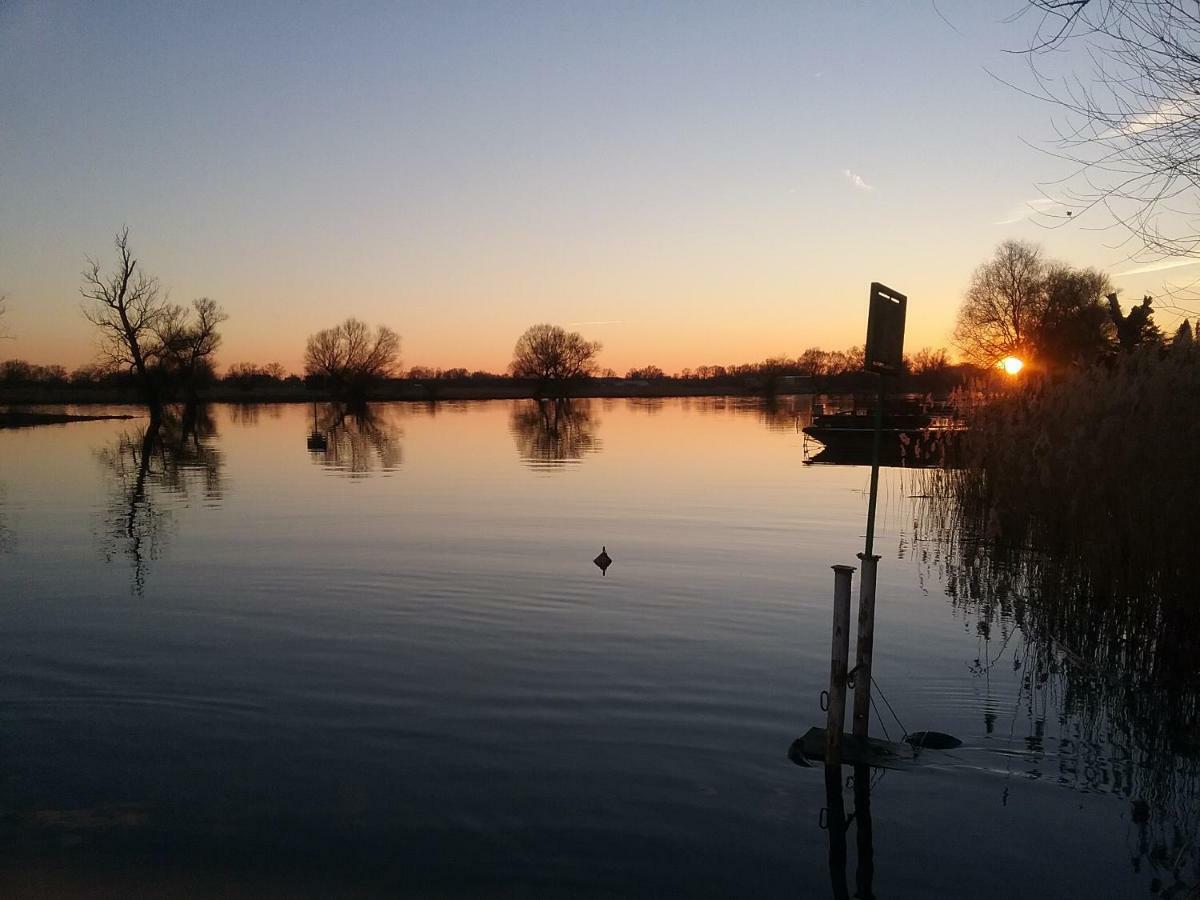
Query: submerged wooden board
point(856, 751)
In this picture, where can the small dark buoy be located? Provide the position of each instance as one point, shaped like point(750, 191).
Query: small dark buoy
point(603, 561)
point(932, 740)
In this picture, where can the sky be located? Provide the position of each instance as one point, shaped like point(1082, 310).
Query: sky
point(688, 183)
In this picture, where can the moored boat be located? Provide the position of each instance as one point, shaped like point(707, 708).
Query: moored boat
point(914, 433)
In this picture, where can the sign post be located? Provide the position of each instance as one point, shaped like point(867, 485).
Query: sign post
point(884, 355)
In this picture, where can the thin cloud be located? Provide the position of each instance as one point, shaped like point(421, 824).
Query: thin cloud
point(1161, 266)
point(1027, 210)
point(1168, 114)
point(857, 181)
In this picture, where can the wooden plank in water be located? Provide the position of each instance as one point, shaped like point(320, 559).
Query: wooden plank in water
point(856, 751)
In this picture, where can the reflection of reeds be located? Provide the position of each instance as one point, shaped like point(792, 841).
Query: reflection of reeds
point(1072, 523)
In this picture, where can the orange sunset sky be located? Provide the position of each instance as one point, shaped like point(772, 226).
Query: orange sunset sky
point(688, 184)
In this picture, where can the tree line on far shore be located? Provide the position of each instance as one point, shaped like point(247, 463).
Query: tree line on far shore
point(1050, 315)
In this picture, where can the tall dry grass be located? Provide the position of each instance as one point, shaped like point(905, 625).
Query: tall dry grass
point(1073, 519)
point(1099, 469)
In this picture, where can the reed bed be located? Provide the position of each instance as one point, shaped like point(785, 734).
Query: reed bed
point(1072, 523)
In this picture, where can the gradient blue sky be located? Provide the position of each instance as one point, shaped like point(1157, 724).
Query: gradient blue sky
point(688, 183)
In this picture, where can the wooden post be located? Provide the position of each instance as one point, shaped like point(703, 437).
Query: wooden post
point(864, 873)
point(866, 644)
point(835, 824)
point(838, 656)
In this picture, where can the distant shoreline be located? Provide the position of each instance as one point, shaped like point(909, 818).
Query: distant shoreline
point(85, 397)
point(508, 389)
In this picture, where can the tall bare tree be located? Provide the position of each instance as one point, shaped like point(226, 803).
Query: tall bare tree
point(1133, 121)
point(127, 306)
point(351, 357)
point(163, 345)
point(550, 353)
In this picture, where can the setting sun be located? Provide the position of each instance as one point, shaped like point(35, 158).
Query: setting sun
point(1011, 365)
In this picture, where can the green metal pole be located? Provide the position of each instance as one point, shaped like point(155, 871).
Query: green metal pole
point(875, 444)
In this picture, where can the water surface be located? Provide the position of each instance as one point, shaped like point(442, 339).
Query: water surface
point(286, 649)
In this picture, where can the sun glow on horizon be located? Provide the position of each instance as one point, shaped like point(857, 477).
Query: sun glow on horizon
point(1011, 365)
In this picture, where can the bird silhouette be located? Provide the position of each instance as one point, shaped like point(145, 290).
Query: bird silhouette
point(603, 561)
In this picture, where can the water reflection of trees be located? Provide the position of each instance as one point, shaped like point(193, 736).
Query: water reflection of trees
point(6, 532)
point(355, 440)
point(1111, 666)
point(150, 472)
point(248, 414)
point(790, 413)
point(553, 433)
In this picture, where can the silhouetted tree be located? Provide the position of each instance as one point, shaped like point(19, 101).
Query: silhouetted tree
point(998, 313)
point(1183, 339)
point(928, 361)
point(550, 353)
point(351, 358)
point(1135, 328)
point(246, 376)
point(1019, 304)
point(126, 306)
point(645, 373)
point(188, 344)
point(1073, 325)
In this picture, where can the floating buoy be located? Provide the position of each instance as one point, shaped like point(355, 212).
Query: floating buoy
point(603, 561)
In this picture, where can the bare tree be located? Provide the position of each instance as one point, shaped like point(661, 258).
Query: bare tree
point(645, 373)
point(127, 306)
point(351, 357)
point(187, 345)
point(1019, 304)
point(550, 353)
point(1133, 122)
point(929, 361)
point(997, 315)
point(3, 310)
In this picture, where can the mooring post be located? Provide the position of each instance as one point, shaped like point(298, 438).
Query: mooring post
point(838, 657)
point(864, 873)
point(865, 645)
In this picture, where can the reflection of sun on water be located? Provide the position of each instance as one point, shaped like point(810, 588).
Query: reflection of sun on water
point(1011, 365)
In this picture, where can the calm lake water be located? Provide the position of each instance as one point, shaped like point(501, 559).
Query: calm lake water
point(296, 654)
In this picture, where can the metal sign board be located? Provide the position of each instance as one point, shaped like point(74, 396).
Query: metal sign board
point(885, 330)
